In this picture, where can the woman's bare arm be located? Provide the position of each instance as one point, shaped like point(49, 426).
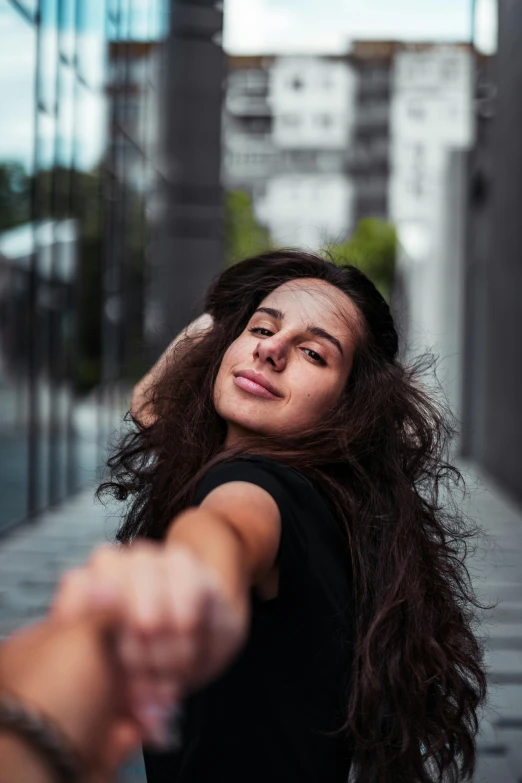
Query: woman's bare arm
point(188, 597)
point(140, 407)
point(239, 546)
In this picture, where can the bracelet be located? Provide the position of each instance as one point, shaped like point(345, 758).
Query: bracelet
point(43, 736)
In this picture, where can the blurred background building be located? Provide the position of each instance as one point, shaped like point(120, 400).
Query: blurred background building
point(492, 268)
point(138, 159)
point(98, 175)
point(287, 133)
point(369, 156)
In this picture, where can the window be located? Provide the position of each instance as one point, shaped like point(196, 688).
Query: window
point(291, 120)
point(17, 53)
point(324, 120)
point(449, 70)
point(416, 110)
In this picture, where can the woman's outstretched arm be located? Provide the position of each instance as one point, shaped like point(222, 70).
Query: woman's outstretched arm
point(140, 407)
point(183, 604)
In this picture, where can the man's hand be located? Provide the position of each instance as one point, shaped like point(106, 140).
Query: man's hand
point(68, 672)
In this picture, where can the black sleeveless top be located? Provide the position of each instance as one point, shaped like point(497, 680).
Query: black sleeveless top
point(272, 716)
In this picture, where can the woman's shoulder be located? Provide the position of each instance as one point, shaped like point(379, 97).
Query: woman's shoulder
point(245, 467)
point(285, 483)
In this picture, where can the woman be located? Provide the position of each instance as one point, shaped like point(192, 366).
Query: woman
point(293, 577)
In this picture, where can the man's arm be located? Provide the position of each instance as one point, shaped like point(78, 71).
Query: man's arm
point(140, 406)
point(21, 763)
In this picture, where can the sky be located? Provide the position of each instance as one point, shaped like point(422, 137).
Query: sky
point(289, 26)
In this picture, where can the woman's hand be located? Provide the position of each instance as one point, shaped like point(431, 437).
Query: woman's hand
point(176, 628)
point(68, 672)
point(141, 408)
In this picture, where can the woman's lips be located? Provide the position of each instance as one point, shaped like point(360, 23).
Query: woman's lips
point(254, 388)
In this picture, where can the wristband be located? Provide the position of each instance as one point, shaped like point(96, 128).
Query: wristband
point(43, 736)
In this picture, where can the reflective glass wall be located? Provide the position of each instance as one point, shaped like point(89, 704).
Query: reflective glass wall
point(78, 119)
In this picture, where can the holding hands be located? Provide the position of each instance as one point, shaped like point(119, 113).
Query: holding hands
point(137, 628)
point(174, 629)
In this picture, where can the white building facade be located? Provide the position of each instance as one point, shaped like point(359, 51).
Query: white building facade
point(431, 119)
point(287, 133)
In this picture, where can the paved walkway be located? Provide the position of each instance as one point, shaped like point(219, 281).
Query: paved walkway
point(497, 573)
point(33, 557)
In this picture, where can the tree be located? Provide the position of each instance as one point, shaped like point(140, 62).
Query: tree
point(373, 249)
point(15, 195)
point(244, 236)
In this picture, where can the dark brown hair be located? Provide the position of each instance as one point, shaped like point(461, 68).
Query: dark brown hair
point(382, 458)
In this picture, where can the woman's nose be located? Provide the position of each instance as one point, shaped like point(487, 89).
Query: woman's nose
point(271, 350)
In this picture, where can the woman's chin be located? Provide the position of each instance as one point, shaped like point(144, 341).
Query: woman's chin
point(239, 429)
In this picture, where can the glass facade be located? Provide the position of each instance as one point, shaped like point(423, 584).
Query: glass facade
point(79, 119)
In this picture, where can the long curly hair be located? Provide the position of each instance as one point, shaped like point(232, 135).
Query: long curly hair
point(382, 457)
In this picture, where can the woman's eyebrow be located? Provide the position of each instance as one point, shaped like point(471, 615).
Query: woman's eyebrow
point(312, 329)
point(271, 311)
point(327, 336)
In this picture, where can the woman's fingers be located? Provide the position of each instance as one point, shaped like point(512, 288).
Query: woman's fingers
point(175, 629)
point(72, 598)
point(140, 570)
point(96, 585)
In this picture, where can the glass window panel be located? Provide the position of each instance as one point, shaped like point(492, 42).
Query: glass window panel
point(17, 112)
point(113, 7)
point(161, 17)
point(67, 27)
point(141, 16)
point(65, 120)
point(31, 6)
point(45, 155)
point(90, 139)
point(113, 19)
point(63, 239)
point(124, 20)
point(48, 55)
point(91, 128)
point(91, 41)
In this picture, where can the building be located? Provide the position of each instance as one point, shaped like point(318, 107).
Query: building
point(185, 252)
point(369, 153)
point(308, 203)
point(288, 123)
point(431, 115)
point(110, 209)
point(250, 156)
point(492, 424)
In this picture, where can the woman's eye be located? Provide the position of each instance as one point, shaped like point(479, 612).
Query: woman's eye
point(315, 356)
point(267, 333)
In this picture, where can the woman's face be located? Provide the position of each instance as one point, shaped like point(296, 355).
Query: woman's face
point(290, 364)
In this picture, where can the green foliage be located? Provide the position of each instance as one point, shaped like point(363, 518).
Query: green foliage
point(15, 195)
point(244, 236)
point(373, 249)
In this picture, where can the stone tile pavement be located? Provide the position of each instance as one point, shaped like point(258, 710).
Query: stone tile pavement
point(33, 556)
point(496, 569)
